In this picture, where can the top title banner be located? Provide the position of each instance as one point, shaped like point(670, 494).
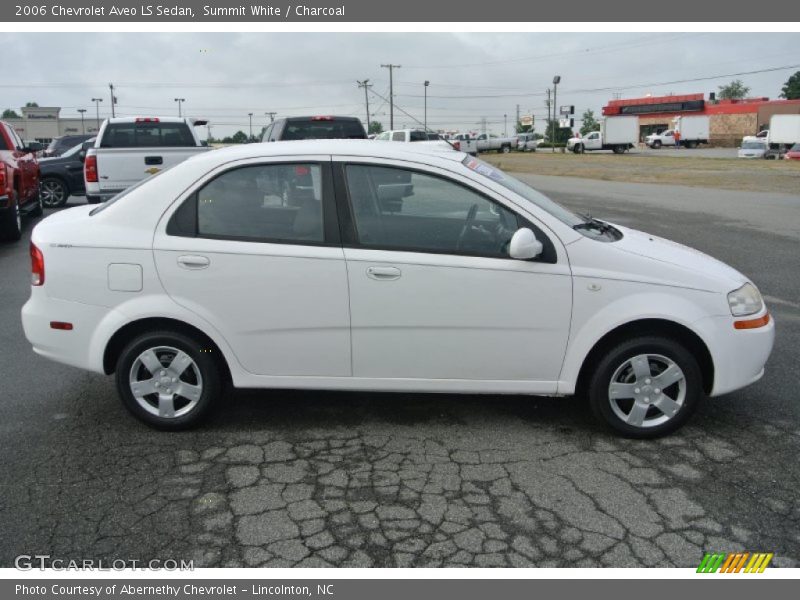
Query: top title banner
point(401, 11)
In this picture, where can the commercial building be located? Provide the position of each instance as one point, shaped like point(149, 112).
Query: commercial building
point(43, 123)
point(729, 120)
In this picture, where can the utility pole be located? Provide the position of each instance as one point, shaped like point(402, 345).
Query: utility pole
point(516, 124)
point(366, 85)
point(82, 110)
point(113, 99)
point(426, 84)
point(548, 115)
point(271, 116)
point(97, 102)
point(180, 101)
point(250, 139)
point(556, 81)
point(391, 68)
point(505, 125)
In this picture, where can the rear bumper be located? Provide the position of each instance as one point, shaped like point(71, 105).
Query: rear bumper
point(739, 355)
point(72, 347)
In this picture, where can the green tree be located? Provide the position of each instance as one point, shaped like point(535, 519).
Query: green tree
point(590, 124)
point(562, 133)
point(375, 127)
point(791, 90)
point(735, 90)
point(10, 113)
point(240, 137)
point(31, 105)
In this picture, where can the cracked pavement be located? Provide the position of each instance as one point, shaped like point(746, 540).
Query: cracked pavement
point(312, 479)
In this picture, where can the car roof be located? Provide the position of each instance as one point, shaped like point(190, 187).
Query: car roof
point(134, 119)
point(429, 153)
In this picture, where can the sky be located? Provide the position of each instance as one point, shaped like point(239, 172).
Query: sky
point(473, 76)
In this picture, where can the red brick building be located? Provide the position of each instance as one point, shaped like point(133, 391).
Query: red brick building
point(730, 120)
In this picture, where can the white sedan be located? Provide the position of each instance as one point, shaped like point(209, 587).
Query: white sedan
point(351, 265)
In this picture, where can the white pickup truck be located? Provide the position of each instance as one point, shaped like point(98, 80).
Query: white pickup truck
point(129, 149)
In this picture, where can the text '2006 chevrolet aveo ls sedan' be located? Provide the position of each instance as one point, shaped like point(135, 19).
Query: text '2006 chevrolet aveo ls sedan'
point(353, 265)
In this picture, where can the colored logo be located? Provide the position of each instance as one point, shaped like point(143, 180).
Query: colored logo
point(735, 562)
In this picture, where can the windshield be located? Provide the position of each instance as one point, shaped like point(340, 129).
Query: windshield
point(754, 146)
point(795, 148)
point(515, 185)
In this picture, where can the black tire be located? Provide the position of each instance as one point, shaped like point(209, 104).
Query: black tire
point(56, 192)
point(577, 148)
point(619, 149)
point(505, 149)
point(38, 208)
point(658, 348)
point(11, 221)
point(210, 378)
point(656, 145)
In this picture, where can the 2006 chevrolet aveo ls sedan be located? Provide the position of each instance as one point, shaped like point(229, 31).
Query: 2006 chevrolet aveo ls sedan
point(353, 265)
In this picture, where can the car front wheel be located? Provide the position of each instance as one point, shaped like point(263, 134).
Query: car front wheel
point(168, 379)
point(53, 193)
point(646, 387)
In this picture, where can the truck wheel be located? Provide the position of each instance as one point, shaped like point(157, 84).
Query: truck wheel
point(38, 209)
point(619, 149)
point(646, 387)
point(166, 380)
point(577, 148)
point(656, 145)
point(11, 221)
point(505, 149)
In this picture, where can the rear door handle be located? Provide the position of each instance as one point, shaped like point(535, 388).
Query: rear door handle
point(154, 160)
point(383, 273)
point(189, 261)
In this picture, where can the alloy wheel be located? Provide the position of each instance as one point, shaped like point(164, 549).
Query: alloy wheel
point(166, 382)
point(52, 193)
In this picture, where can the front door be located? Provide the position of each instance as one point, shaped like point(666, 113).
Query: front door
point(433, 292)
point(255, 253)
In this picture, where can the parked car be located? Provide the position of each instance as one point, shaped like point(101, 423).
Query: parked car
point(527, 142)
point(487, 142)
point(793, 153)
point(61, 144)
point(62, 176)
point(19, 182)
point(129, 149)
point(752, 147)
point(480, 284)
point(314, 128)
point(657, 140)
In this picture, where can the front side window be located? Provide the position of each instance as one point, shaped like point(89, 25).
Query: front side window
point(399, 136)
point(406, 210)
point(281, 203)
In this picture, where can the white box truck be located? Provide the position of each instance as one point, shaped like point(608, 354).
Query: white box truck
point(784, 132)
point(694, 130)
point(616, 133)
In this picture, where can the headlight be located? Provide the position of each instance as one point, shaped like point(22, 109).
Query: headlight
point(745, 301)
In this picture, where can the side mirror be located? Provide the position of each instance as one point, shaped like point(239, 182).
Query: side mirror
point(524, 245)
point(82, 155)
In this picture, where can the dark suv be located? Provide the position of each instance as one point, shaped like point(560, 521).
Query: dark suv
point(314, 128)
point(59, 145)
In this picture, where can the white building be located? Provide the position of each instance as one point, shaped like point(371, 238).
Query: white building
point(43, 123)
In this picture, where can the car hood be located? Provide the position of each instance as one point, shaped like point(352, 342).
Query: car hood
point(679, 264)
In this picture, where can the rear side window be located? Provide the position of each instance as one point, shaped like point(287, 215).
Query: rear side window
point(146, 135)
point(418, 136)
point(323, 129)
point(268, 203)
point(399, 136)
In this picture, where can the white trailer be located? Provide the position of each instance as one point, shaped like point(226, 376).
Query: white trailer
point(694, 130)
point(784, 132)
point(616, 133)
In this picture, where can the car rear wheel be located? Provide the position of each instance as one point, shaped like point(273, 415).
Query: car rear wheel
point(11, 221)
point(646, 387)
point(168, 380)
point(53, 192)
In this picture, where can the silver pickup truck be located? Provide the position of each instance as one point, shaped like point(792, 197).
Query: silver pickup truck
point(129, 149)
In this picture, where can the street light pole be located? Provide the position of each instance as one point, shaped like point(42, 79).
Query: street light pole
point(180, 101)
point(391, 68)
point(251, 127)
point(113, 99)
point(556, 81)
point(97, 102)
point(271, 116)
point(426, 84)
point(366, 85)
point(82, 110)
point(505, 125)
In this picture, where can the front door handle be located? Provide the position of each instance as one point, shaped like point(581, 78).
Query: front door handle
point(189, 261)
point(383, 273)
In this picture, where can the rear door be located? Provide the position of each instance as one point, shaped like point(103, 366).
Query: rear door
point(254, 251)
point(131, 151)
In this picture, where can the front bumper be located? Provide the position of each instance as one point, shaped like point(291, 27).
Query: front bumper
point(739, 355)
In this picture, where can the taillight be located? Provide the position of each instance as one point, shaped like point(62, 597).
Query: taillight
point(37, 266)
point(90, 169)
point(456, 145)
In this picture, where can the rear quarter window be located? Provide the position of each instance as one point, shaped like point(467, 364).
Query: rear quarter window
point(147, 135)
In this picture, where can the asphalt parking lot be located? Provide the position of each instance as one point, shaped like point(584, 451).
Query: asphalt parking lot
point(332, 479)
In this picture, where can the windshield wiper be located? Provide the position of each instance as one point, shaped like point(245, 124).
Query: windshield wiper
point(592, 223)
